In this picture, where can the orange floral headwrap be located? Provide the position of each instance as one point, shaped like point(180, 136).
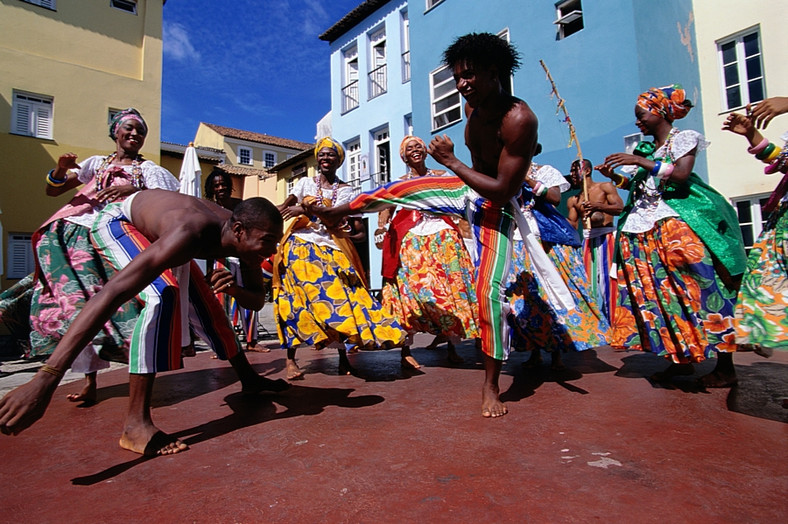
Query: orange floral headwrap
point(669, 102)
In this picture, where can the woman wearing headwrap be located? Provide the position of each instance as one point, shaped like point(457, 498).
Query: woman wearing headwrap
point(428, 276)
point(320, 293)
point(68, 269)
point(761, 322)
point(680, 252)
point(538, 324)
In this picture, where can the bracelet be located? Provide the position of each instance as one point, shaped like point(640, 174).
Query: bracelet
point(774, 154)
point(622, 181)
point(52, 371)
point(657, 166)
point(665, 170)
point(768, 150)
point(540, 189)
point(54, 182)
point(754, 150)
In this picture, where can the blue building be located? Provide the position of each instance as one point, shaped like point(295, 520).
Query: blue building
point(600, 54)
point(370, 99)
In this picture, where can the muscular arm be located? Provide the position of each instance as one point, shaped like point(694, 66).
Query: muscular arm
point(614, 202)
point(573, 216)
point(518, 133)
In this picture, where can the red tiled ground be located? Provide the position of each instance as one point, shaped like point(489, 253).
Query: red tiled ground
point(599, 443)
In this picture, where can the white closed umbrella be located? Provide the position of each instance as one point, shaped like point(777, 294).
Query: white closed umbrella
point(190, 173)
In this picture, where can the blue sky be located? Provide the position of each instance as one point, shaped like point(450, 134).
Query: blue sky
point(249, 64)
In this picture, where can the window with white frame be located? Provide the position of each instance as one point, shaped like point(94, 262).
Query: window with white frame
point(405, 47)
point(382, 156)
point(350, 73)
point(569, 15)
point(31, 115)
point(741, 67)
point(377, 64)
point(353, 153)
point(245, 156)
point(130, 6)
point(49, 4)
point(20, 256)
point(506, 83)
point(408, 124)
point(269, 159)
point(444, 98)
point(751, 217)
point(299, 172)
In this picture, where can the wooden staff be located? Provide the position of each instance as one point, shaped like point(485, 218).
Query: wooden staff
point(561, 106)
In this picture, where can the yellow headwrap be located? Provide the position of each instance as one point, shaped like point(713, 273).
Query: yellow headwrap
point(331, 144)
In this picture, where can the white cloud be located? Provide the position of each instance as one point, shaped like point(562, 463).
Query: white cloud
point(176, 43)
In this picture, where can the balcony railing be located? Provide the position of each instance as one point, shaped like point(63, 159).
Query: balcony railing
point(405, 66)
point(377, 81)
point(350, 96)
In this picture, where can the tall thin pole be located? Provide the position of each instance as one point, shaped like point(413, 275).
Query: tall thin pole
point(561, 106)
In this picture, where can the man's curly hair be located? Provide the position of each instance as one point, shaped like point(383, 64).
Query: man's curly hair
point(483, 50)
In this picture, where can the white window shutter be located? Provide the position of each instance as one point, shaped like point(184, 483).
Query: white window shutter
point(43, 121)
point(20, 256)
point(22, 118)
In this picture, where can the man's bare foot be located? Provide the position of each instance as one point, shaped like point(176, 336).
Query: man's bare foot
point(150, 441)
point(534, 361)
point(674, 370)
point(257, 348)
point(407, 360)
point(258, 384)
point(492, 406)
point(87, 396)
point(293, 371)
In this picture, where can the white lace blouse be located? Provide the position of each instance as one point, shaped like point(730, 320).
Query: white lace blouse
point(307, 187)
point(650, 207)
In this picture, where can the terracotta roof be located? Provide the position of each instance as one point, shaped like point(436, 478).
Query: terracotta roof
point(209, 154)
point(351, 19)
point(258, 137)
point(306, 153)
point(243, 171)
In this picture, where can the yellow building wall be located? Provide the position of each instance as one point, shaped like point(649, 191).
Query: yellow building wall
point(90, 58)
point(732, 170)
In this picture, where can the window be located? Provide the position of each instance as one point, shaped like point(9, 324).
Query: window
point(741, 69)
point(751, 218)
point(432, 3)
point(444, 98)
point(299, 172)
point(245, 156)
point(377, 66)
point(350, 90)
point(20, 255)
point(354, 164)
point(269, 159)
point(405, 47)
point(408, 124)
point(382, 157)
point(49, 4)
point(129, 6)
point(31, 115)
point(506, 83)
point(570, 17)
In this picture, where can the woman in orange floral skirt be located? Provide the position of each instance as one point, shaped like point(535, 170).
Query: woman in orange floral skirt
point(680, 253)
point(428, 276)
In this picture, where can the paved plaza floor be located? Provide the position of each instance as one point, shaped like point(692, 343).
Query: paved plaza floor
point(597, 442)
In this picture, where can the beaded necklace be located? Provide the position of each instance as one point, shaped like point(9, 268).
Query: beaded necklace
point(103, 171)
point(334, 190)
point(668, 145)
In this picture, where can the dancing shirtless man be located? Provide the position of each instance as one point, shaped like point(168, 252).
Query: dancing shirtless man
point(167, 231)
point(501, 134)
